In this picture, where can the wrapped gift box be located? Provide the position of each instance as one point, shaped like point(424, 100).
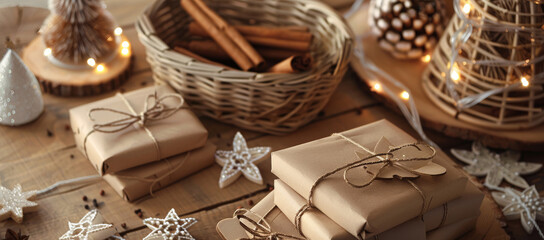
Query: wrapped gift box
point(136, 182)
point(316, 225)
point(133, 146)
point(230, 228)
point(373, 209)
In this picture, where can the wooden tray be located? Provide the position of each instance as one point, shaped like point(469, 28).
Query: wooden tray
point(409, 73)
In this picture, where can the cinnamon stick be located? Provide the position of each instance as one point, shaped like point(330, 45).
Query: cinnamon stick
point(230, 40)
point(200, 58)
point(211, 50)
point(293, 64)
point(295, 33)
point(267, 37)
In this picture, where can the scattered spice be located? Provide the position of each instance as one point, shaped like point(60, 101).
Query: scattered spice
point(72, 156)
point(137, 211)
point(124, 225)
point(102, 192)
point(140, 214)
point(270, 188)
point(85, 198)
point(67, 127)
point(49, 133)
point(250, 202)
point(12, 235)
point(87, 207)
point(95, 203)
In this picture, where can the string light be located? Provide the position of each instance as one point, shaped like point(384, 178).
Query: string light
point(125, 52)
point(466, 8)
point(524, 82)
point(125, 44)
point(405, 95)
point(100, 68)
point(426, 58)
point(47, 52)
point(118, 31)
point(91, 62)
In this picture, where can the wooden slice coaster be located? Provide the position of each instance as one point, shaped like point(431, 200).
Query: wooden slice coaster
point(409, 73)
point(75, 83)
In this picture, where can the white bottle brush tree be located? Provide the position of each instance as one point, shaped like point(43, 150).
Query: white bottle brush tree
point(78, 30)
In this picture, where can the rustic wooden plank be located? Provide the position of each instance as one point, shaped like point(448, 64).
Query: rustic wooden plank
point(207, 220)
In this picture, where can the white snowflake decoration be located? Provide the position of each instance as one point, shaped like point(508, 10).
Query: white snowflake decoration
point(497, 167)
point(525, 205)
point(85, 228)
point(14, 202)
point(241, 160)
point(170, 228)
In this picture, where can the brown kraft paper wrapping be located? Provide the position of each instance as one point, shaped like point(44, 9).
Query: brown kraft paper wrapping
point(113, 152)
point(230, 229)
point(373, 209)
point(135, 183)
point(453, 231)
point(316, 225)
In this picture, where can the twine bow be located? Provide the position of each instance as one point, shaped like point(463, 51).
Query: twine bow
point(152, 112)
point(388, 159)
point(258, 230)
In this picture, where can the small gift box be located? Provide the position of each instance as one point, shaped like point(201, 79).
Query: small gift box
point(135, 128)
point(361, 204)
point(316, 225)
point(137, 182)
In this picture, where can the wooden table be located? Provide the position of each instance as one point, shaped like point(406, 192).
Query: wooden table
point(43, 152)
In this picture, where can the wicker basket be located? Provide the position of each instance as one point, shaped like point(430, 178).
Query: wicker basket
point(266, 102)
point(512, 109)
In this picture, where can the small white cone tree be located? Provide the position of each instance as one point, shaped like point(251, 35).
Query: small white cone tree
point(20, 95)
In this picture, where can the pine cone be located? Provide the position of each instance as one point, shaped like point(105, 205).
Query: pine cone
point(407, 29)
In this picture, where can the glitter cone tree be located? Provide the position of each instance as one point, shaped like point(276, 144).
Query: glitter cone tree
point(78, 30)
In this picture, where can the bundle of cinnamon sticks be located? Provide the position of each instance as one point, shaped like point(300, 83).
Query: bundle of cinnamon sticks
point(286, 49)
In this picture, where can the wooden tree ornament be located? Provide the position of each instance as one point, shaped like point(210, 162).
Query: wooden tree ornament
point(499, 70)
point(80, 51)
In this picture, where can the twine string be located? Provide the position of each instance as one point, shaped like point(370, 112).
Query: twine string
point(387, 159)
point(152, 112)
point(260, 231)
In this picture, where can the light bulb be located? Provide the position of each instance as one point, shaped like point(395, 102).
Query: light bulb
point(405, 95)
point(100, 68)
point(466, 8)
point(377, 87)
point(524, 82)
point(426, 58)
point(125, 52)
point(118, 31)
point(455, 76)
point(91, 62)
point(47, 52)
point(125, 44)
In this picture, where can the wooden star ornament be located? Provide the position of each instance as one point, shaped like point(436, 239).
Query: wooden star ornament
point(497, 167)
point(91, 226)
point(14, 202)
point(526, 205)
point(170, 228)
point(241, 160)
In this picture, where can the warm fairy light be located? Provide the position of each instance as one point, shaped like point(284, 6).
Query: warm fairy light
point(524, 82)
point(100, 68)
point(405, 95)
point(47, 52)
point(118, 31)
point(125, 44)
point(125, 52)
point(377, 87)
point(91, 62)
point(426, 58)
point(455, 76)
point(466, 8)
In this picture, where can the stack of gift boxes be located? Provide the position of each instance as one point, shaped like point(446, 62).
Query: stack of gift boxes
point(443, 206)
point(139, 153)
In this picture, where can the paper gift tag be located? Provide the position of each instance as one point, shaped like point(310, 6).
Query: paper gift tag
point(421, 167)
